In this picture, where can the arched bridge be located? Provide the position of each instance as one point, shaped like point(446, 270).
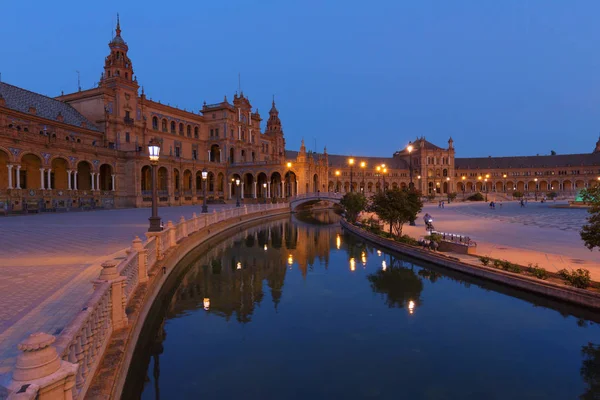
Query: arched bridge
point(312, 198)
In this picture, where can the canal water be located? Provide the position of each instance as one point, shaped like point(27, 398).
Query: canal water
point(297, 309)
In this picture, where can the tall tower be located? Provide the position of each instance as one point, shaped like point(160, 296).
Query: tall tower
point(117, 65)
point(274, 130)
point(597, 149)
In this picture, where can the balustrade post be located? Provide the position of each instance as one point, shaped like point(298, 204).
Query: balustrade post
point(172, 234)
point(40, 373)
point(245, 209)
point(110, 274)
point(215, 215)
point(194, 222)
point(183, 227)
point(142, 260)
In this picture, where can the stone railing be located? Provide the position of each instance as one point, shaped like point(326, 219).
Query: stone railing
point(40, 374)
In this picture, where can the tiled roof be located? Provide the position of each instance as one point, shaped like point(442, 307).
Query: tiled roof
point(21, 100)
point(562, 160)
point(341, 161)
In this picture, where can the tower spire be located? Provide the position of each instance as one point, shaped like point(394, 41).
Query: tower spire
point(118, 26)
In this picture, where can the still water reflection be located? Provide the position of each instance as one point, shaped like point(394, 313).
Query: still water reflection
point(296, 309)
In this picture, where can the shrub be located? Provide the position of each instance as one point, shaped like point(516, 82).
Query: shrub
point(552, 195)
point(498, 263)
point(436, 237)
point(485, 260)
point(517, 194)
point(510, 267)
point(408, 240)
point(476, 197)
point(579, 278)
point(431, 196)
point(537, 271)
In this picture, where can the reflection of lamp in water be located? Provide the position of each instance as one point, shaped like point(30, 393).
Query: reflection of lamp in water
point(363, 258)
point(379, 253)
point(239, 265)
point(265, 247)
point(338, 241)
point(206, 303)
point(290, 260)
point(411, 307)
point(352, 264)
point(383, 265)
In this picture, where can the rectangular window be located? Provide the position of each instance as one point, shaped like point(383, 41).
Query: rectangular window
point(217, 132)
point(194, 155)
point(127, 137)
point(127, 114)
point(211, 132)
point(177, 152)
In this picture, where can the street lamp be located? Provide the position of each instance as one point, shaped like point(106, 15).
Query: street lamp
point(337, 180)
point(204, 178)
point(362, 166)
point(351, 162)
point(237, 183)
point(383, 172)
point(486, 189)
point(536, 188)
point(289, 166)
point(463, 186)
point(154, 152)
point(378, 173)
point(504, 183)
point(265, 191)
point(410, 149)
point(448, 188)
point(419, 179)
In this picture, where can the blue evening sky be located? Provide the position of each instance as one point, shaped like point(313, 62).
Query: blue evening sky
point(510, 77)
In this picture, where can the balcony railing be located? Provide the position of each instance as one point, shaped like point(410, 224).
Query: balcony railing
point(128, 121)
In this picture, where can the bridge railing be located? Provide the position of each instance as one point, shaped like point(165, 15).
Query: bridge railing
point(322, 195)
point(83, 342)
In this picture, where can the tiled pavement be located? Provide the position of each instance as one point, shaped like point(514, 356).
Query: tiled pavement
point(534, 234)
point(48, 261)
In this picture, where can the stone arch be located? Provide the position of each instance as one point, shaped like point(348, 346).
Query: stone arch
point(4, 160)
point(146, 178)
point(210, 181)
point(567, 185)
point(220, 182)
point(187, 180)
point(370, 187)
point(330, 186)
point(555, 185)
point(176, 180)
point(315, 183)
point(261, 179)
point(276, 184)
point(248, 180)
point(579, 184)
point(510, 186)
point(199, 187)
point(105, 172)
point(235, 188)
point(59, 177)
point(469, 186)
point(543, 185)
point(291, 183)
point(215, 153)
point(395, 185)
point(479, 186)
point(163, 180)
point(84, 175)
point(499, 186)
point(520, 186)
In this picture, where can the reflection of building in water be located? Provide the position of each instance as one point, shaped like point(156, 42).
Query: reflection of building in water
point(229, 279)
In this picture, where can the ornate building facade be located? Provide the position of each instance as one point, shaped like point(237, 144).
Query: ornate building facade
point(88, 149)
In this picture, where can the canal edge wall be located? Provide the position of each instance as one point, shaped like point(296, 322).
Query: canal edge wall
point(109, 381)
point(568, 294)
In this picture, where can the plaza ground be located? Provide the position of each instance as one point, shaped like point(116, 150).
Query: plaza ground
point(48, 261)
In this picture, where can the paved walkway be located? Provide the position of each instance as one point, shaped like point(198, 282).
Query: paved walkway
point(48, 261)
point(534, 234)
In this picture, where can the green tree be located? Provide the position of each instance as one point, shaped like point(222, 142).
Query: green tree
point(517, 194)
point(452, 196)
point(552, 195)
point(590, 371)
point(400, 285)
point(397, 207)
point(354, 203)
point(590, 233)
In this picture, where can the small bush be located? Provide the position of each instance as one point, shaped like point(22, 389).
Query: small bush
point(476, 197)
point(408, 240)
point(485, 260)
point(436, 237)
point(579, 278)
point(517, 194)
point(537, 271)
point(498, 263)
point(552, 195)
point(431, 196)
point(510, 267)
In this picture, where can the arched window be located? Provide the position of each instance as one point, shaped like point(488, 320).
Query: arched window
point(196, 132)
point(164, 125)
point(173, 127)
point(445, 172)
point(189, 131)
point(155, 123)
point(181, 129)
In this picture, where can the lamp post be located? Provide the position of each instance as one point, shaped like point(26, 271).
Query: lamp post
point(383, 172)
point(351, 162)
point(486, 189)
point(378, 173)
point(448, 188)
point(463, 186)
point(504, 182)
point(419, 179)
point(204, 181)
point(337, 180)
point(237, 190)
point(154, 152)
point(410, 149)
point(265, 191)
point(536, 188)
point(362, 166)
point(289, 166)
